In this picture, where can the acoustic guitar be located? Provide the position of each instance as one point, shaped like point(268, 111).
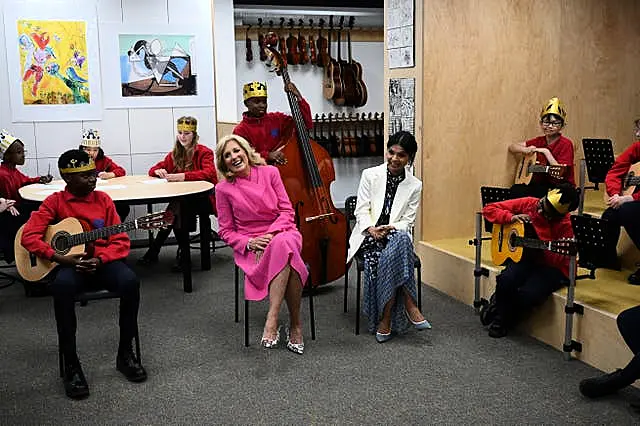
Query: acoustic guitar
point(629, 183)
point(528, 166)
point(68, 237)
point(508, 242)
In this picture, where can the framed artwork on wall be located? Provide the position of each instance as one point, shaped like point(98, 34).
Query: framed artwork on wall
point(52, 61)
point(401, 33)
point(156, 66)
point(402, 105)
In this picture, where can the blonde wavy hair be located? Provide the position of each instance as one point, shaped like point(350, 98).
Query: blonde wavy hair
point(252, 156)
point(183, 157)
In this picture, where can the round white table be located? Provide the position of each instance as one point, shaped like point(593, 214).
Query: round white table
point(144, 189)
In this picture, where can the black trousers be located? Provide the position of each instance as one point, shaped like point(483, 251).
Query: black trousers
point(9, 226)
point(114, 276)
point(629, 326)
point(523, 285)
point(627, 215)
point(537, 190)
point(123, 210)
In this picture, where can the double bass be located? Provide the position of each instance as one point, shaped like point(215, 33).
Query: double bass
point(307, 174)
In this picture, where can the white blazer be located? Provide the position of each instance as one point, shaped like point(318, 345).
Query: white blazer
point(373, 185)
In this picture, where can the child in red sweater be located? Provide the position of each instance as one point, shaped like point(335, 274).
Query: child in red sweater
point(103, 263)
point(188, 161)
point(106, 168)
point(529, 282)
point(265, 130)
point(11, 180)
point(552, 149)
point(624, 210)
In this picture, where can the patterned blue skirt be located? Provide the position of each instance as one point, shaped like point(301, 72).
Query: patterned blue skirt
point(388, 266)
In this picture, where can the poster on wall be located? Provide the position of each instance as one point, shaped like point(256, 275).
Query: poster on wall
point(156, 66)
point(400, 33)
point(402, 105)
point(52, 62)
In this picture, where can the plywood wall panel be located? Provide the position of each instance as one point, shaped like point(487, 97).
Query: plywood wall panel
point(488, 68)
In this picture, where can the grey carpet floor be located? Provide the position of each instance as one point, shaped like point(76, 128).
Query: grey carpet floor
point(200, 372)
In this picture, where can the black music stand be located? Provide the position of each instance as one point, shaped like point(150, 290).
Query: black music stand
point(598, 155)
point(488, 194)
point(594, 249)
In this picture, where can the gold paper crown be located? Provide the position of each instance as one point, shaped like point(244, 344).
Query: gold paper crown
point(187, 127)
point(554, 106)
point(255, 89)
point(6, 140)
point(91, 138)
point(75, 166)
point(553, 196)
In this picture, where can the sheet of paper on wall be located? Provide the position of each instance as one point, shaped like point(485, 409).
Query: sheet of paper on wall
point(402, 105)
point(400, 33)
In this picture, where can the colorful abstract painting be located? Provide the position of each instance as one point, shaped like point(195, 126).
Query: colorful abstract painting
point(157, 65)
point(53, 62)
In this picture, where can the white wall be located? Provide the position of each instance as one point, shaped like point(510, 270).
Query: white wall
point(134, 138)
point(308, 79)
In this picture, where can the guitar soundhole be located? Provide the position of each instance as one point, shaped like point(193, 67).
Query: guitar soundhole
point(60, 242)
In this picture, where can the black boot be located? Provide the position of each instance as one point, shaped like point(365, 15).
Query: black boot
point(128, 364)
point(488, 311)
point(497, 328)
point(151, 256)
point(608, 384)
point(634, 278)
point(75, 384)
point(177, 267)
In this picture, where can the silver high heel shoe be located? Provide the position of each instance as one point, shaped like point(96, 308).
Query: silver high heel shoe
point(271, 344)
point(297, 348)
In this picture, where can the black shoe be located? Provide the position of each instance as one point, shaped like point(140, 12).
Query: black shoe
point(147, 260)
point(607, 384)
point(488, 313)
point(497, 330)
point(75, 384)
point(634, 278)
point(128, 364)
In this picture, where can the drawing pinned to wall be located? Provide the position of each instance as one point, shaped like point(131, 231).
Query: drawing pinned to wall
point(156, 65)
point(400, 33)
point(52, 61)
point(402, 105)
point(46, 47)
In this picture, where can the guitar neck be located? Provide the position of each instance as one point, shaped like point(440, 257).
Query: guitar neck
point(531, 243)
point(538, 168)
point(97, 234)
point(632, 181)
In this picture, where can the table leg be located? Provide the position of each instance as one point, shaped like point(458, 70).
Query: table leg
point(185, 254)
point(205, 242)
point(150, 232)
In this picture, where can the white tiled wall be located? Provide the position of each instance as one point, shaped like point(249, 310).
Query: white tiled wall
point(134, 138)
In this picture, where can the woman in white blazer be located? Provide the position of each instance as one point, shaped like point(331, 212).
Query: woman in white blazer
point(388, 198)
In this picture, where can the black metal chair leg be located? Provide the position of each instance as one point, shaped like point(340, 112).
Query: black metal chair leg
point(312, 313)
point(419, 289)
point(236, 279)
point(61, 360)
point(358, 283)
point(346, 286)
point(246, 323)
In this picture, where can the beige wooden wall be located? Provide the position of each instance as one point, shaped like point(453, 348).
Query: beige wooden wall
point(488, 68)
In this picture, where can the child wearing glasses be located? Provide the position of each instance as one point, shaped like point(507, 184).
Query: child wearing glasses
point(552, 149)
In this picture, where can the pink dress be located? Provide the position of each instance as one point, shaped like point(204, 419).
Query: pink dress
point(253, 206)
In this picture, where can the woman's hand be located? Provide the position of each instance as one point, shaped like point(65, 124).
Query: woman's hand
point(106, 175)
point(161, 173)
point(175, 177)
point(260, 242)
point(379, 232)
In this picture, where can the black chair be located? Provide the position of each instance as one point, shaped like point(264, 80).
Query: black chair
point(350, 208)
point(84, 298)
point(236, 279)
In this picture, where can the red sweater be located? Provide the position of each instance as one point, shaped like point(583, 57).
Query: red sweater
point(106, 164)
point(562, 151)
point(203, 169)
point(620, 167)
point(265, 133)
point(11, 179)
point(96, 210)
point(502, 212)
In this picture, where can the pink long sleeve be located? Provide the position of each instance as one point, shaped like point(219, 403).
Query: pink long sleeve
point(285, 220)
point(226, 224)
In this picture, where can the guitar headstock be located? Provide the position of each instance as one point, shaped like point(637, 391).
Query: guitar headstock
point(557, 171)
point(156, 220)
point(565, 246)
point(275, 61)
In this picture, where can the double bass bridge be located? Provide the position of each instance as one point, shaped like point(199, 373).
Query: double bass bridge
point(320, 216)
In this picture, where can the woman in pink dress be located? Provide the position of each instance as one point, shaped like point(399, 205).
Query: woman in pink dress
point(256, 219)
